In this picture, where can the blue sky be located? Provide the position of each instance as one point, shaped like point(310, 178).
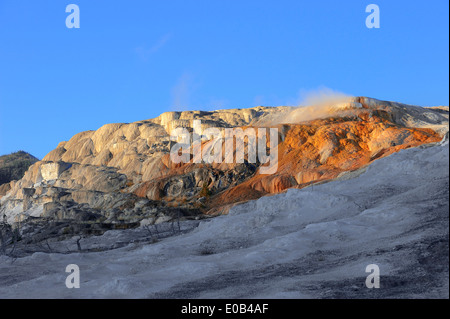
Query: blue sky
point(132, 60)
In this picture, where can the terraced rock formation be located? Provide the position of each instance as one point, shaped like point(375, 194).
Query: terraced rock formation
point(122, 175)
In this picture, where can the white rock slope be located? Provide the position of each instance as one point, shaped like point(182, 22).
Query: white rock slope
point(309, 243)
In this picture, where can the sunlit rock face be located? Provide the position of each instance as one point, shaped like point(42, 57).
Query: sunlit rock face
point(123, 171)
point(52, 171)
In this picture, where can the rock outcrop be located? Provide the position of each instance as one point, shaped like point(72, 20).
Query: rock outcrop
point(13, 167)
point(123, 173)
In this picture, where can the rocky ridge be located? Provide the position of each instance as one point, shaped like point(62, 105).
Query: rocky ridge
point(12, 167)
point(121, 175)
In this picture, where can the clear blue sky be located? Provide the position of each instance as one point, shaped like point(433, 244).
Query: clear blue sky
point(132, 60)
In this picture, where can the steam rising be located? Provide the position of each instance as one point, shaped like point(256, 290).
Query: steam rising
point(317, 104)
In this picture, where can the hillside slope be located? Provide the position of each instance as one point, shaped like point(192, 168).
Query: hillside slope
point(13, 167)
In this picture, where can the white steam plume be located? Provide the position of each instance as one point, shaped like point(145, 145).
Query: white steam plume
point(317, 104)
